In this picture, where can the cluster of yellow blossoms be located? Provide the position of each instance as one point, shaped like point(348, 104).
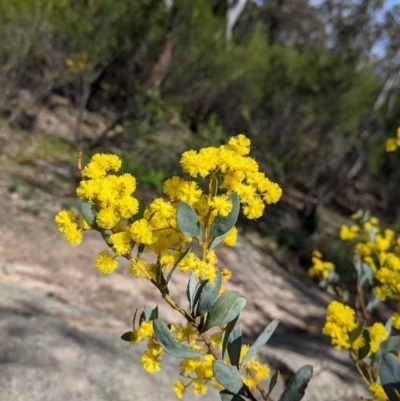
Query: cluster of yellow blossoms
point(110, 207)
point(320, 269)
point(377, 256)
point(380, 250)
point(341, 322)
point(111, 196)
point(393, 143)
point(198, 371)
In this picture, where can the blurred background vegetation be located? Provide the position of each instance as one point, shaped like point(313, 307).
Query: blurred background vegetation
point(314, 84)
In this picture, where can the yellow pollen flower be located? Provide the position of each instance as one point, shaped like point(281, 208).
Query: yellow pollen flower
point(105, 263)
point(142, 232)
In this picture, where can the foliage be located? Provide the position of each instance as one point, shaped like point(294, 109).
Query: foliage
point(169, 229)
point(377, 270)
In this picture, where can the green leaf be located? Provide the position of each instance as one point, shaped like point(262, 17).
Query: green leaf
point(106, 235)
point(170, 345)
point(227, 333)
point(214, 187)
point(191, 290)
point(364, 350)
point(221, 225)
point(388, 325)
point(391, 344)
point(235, 310)
point(261, 341)
point(208, 295)
point(148, 314)
point(353, 335)
point(198, 291)
point(220, 310)
point(127, 336)
point(389, 373)
point(183, 256)
point(235, 345)
point(227, 396)
point(228, 376)
point(188, 222)
point(89, 212)
point(272, 382)
point(373, 302)
point(297, 385)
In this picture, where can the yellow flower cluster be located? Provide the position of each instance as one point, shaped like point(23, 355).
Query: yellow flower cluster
point(341, 321)
point(110, 194)
point(151, 358)
point(199, 372)
point(66, 224)
point(241, 175)
point(374, 245)
point(320, 269)
point(378, 391)
point(255, 370)
point(393, 143)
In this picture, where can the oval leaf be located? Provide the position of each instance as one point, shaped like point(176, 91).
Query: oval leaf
point(89, 212)
point(391, 344)
point(364, 350)
point(297, 385)
point(228, 376)
point(226, 335)
point(234, 312)
point(272, 382)
point(235, 345)
point(208, 295)
point(127, 336)
point(389, 373)
point(222, 225)
point(170, 345)
point(261, 341)
point(191, 290)
point(188, 222)
point(220, 310)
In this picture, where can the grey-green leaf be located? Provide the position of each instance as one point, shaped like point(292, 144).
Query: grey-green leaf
point(208, 295)
point(235, 310)
point(148, 314)
point(187, 221)
point(261, 341)
point(170, 345)
point(235, 345)
point(191, 290)
point(391, 344)
point(272, 382)
point(227, 333)
point(183, 256)
point(228, 396)
point(228, 376)
point(297, 385)
point(389, 373)
point(222, 225)
point(220, 310)
point(89, 212)
point(364, 350)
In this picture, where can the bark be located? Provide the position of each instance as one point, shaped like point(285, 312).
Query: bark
point(232, 15)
